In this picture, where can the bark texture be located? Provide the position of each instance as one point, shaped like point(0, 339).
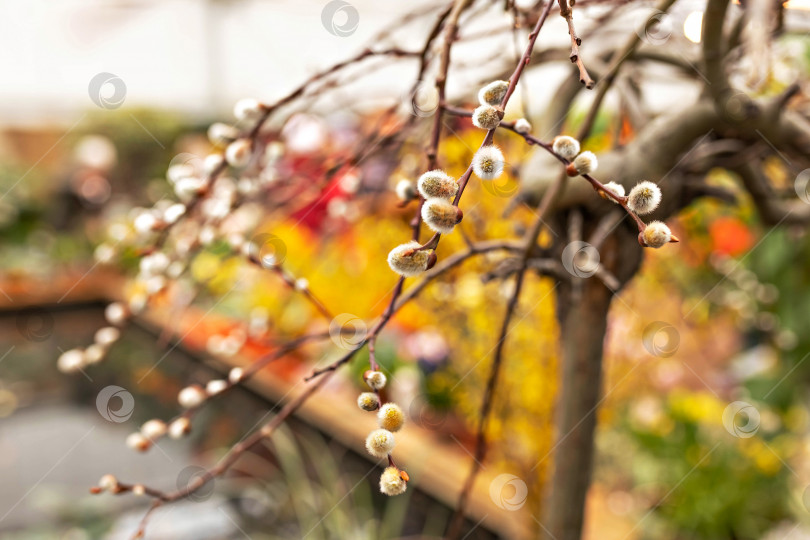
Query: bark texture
point(583, 312)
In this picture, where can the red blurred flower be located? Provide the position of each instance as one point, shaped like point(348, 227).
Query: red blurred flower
point(730, 236)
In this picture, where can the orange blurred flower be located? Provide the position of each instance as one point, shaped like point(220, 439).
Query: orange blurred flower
point(730, 236)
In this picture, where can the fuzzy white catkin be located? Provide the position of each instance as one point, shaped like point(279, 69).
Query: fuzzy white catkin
point(191, 396)
point(212, 162)
point(656, 234)
point(179, 427)
point(440, 215)
point(405, 190)
point(565, 146)
point(144, 223)
point(408, 265)
point(108, 482)
point(138, 442)
point(235, 375)
point(391, 482)
point(137, 303)
point(94, 353)
point(437, 184)
point(301, 284)
point(154, 429)
point(104, 253)
point(368, 401)
point(70, 361)
point(181, 170)
point(644, 198)
point(247, 109)
point(376, 380)
point(486, 117)
point(488, 162)
point(215, 386)
point(220, 134)
point(585, 163)
point(493, 93)
point(155, 284)
point(238, 153)
point(173, 213)
point(522, 126)
point(116, 313)
point(107, 336)
point(391, 417)
point(175, 269)
point(380, 442)
point(617, 189)
point(187, 188)
point(154, 264)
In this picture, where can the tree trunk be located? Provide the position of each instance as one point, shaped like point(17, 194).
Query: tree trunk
point(583, 311)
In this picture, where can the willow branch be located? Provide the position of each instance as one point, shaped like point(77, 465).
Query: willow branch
point(532, 140)
point(403, 298)
point(497, 361)
point(619, 57)
point(568, 13)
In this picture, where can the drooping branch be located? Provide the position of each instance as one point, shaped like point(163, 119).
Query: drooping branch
point(648, 157)
point(230, 457)
point(619, 57)
point(497, 359)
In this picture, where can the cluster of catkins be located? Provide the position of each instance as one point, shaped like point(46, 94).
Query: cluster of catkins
point(438, 189)
point(110, 483)
point(643, 199)
point(380, 442)
point(190, 397)
point(217, 196)
point(488, 161)
point(190, 182)
point(75, 360)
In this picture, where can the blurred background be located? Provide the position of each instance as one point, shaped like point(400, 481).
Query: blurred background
point(703, 428)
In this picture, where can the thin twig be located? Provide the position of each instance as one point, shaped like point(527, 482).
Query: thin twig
point(531, 139)
point(567, 12)
point(531, 238)
point(618, 59)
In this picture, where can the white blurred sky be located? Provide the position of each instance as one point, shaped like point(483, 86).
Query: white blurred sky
point(197, 56)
